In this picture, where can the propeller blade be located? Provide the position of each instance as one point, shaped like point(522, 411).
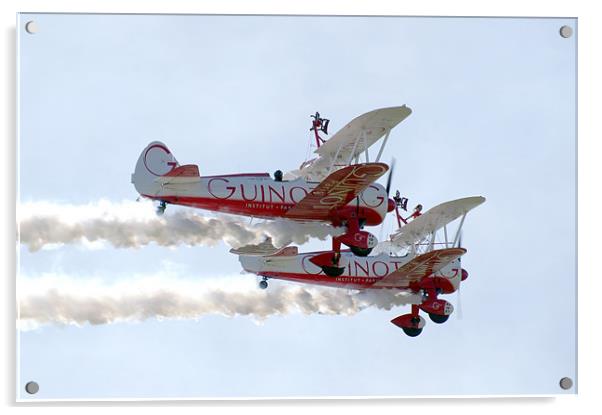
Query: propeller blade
point(390, 178)
point(459, 303)
point(459, 296)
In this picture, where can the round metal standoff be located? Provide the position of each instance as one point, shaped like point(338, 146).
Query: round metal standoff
point(566, 383)
point(31, 27)
point(566, 31)
point(32, 388)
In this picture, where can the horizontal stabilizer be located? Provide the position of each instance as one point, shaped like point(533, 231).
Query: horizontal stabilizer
point(265, 248)
point(188, 173)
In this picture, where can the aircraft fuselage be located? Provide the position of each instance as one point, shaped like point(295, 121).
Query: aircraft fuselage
point(258, 195)
point(360, 272)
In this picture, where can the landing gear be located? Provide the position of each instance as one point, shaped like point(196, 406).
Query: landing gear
point(438, 310)
point(411, 331)
point(360, 251)
point(438, 318)
point(263, 284)
point(334, 270)
point(411, 324)
point(161, 208)
point(360, 242)
point(329, 263)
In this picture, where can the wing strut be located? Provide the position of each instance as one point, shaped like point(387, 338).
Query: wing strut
point(456, 238)
point(382, 146)
point(334, 160)
point(360, 136)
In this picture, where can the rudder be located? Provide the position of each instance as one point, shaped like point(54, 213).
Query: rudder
point(155, 160)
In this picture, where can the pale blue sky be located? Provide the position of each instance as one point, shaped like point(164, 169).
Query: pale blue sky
point(493, 114)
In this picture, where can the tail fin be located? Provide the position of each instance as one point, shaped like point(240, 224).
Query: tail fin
point(155, 160)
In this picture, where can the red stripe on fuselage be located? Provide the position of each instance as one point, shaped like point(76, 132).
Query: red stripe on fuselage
point(264, 210)
point(321, 279)
point(239, 175)
point(359, 283)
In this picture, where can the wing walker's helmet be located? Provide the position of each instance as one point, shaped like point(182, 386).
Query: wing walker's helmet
point(278, 175)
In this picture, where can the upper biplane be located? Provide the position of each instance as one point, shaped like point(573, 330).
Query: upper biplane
point(413, 262)
point(335, 187)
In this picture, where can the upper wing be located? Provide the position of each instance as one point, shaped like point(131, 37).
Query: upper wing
point(350, 141)
point(420, 267)
point(434, 219)
point(369, 128)
point(336, 191)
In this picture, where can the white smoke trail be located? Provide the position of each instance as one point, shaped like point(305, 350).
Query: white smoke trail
point(134, 224)
point(62, 300)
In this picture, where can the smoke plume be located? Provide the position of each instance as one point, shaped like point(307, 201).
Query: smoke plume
point(61, 300)
point(135, 224)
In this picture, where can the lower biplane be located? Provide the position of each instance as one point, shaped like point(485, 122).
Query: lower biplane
point(334, 188)
point(412, 261)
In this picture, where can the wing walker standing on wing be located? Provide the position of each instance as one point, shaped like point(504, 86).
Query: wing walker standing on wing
point(414, 265)
point(334, 188)
point(338, 188)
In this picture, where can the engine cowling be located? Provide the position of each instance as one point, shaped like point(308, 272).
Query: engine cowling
point(390, 205)
point(441, 284)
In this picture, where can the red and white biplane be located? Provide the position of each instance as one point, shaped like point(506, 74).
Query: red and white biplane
point(335, 187)
point(408, 262)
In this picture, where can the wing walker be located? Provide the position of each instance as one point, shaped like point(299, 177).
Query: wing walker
point(337, 187)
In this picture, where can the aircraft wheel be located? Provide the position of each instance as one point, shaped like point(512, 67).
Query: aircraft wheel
point(360, 251)
point(411, 331)
point(263, 284)
point(332, 271)
point(438, 318)
point(161, 208)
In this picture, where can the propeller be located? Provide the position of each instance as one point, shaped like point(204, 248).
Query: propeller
point(388, 190)
point(400, 202)
point(459, 295)
point(390, 178)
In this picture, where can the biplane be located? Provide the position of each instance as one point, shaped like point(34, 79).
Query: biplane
point(336, 187)
point(414, 261)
